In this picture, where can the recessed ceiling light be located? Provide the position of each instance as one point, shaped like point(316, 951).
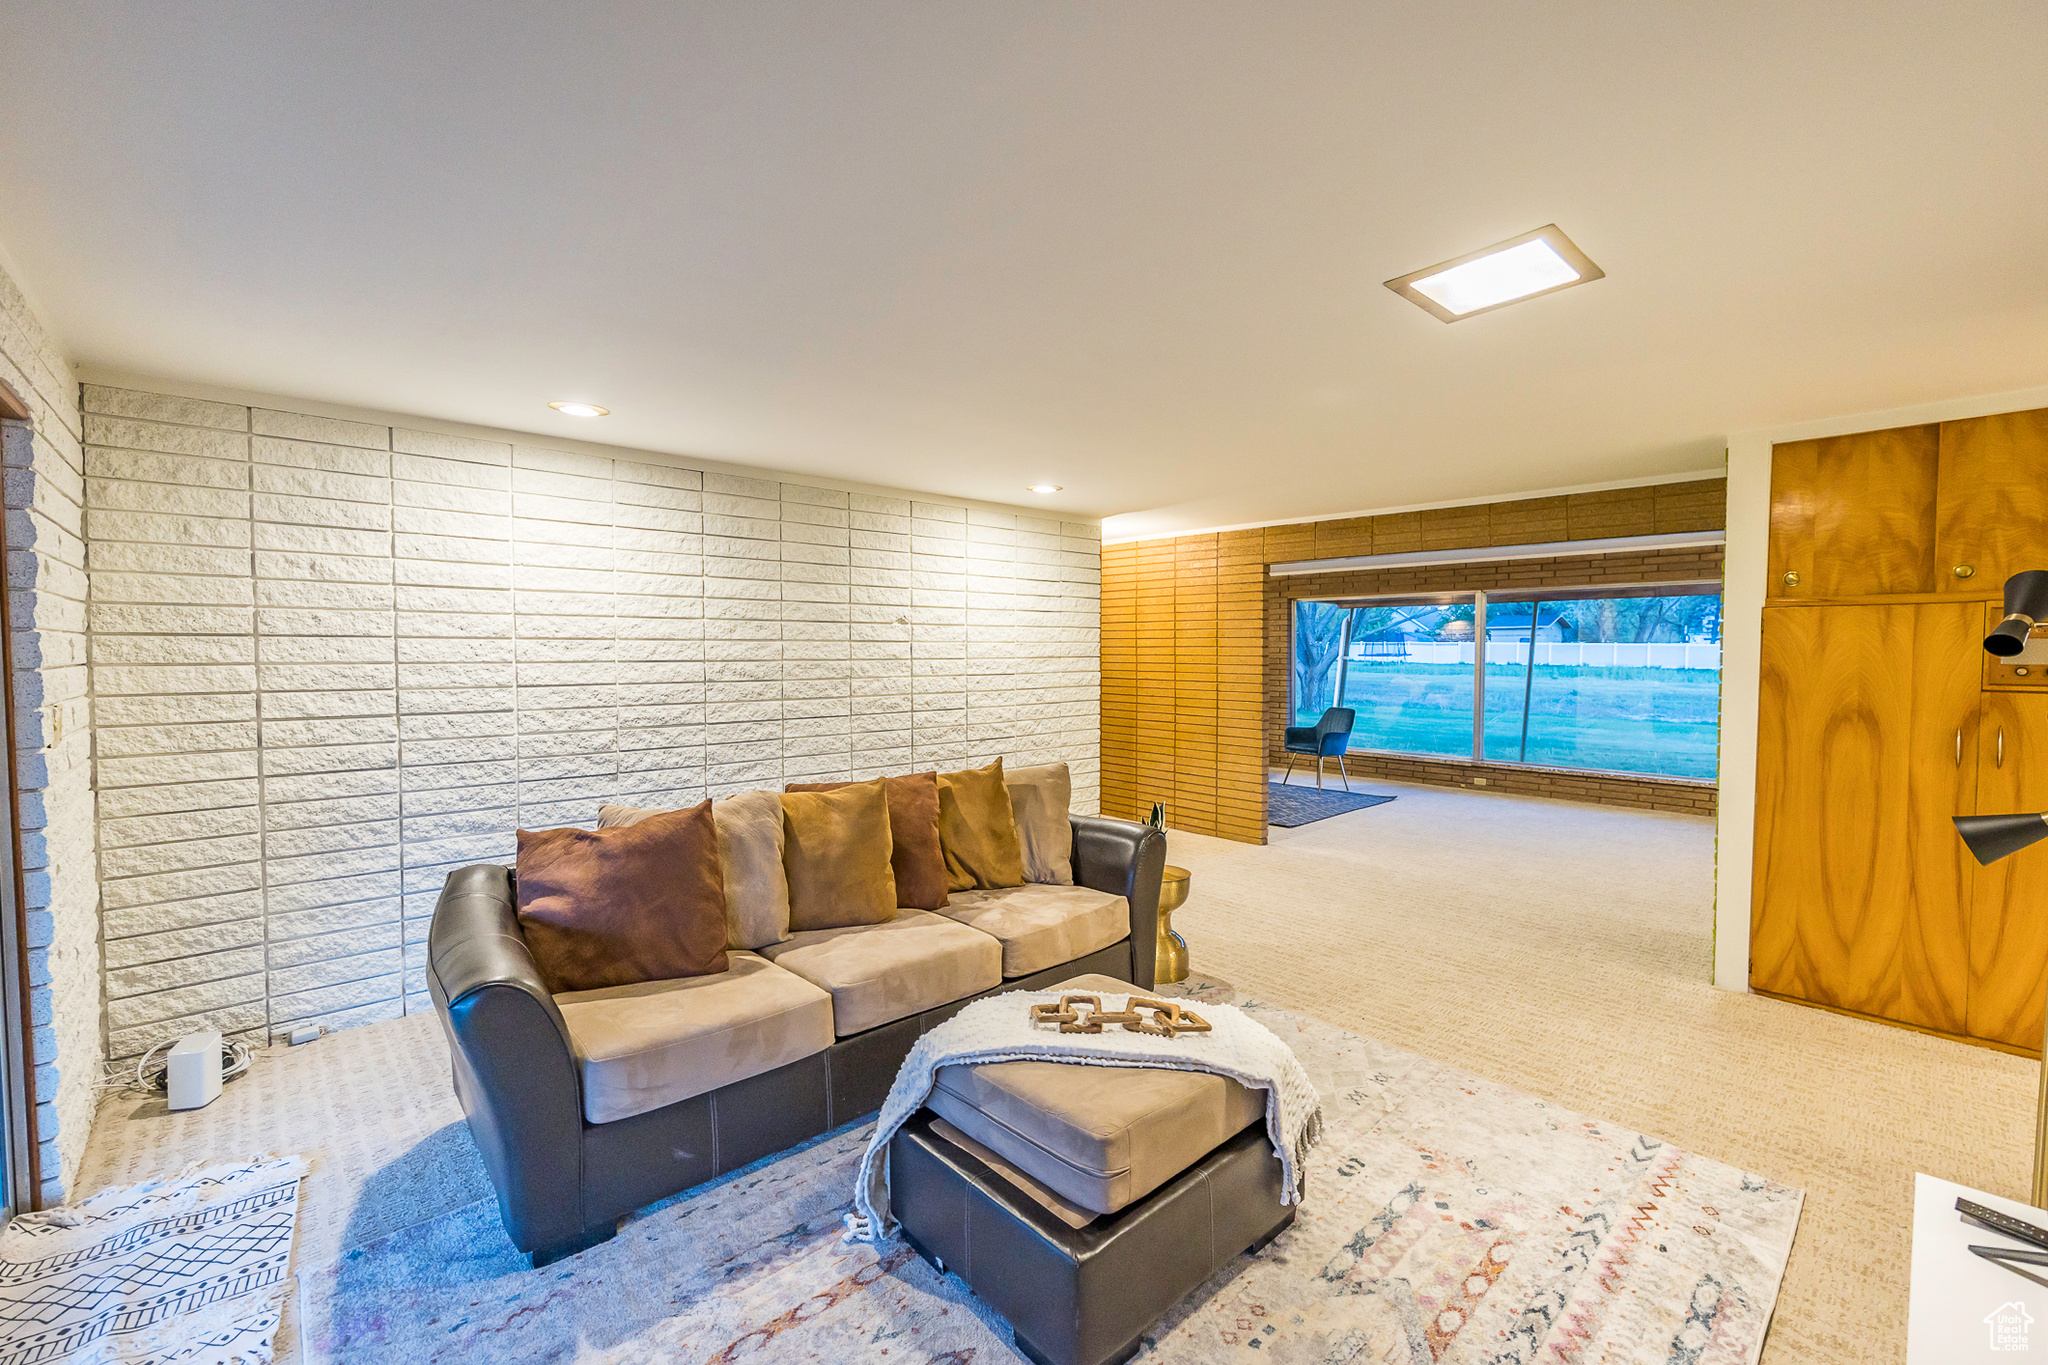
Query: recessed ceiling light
point(1043, 488)
point(1539, 262)
point(581, 409)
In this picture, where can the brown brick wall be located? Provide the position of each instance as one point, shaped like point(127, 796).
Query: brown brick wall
point(1198, 736)
point(1665, 509)
point(1559, 784)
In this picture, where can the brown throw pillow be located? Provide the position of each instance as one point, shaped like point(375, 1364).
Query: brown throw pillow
point(612, 907)
point(750, 858)
point(977, 831)
point(835, 850)
point(1039, 798)
point(917, 860)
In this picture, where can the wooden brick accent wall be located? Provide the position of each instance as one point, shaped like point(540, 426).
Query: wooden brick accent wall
point(1183, 631)
point(1195, 638)
point(1664, 509)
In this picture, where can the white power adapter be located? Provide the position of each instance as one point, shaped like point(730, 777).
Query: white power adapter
point(192, 1071)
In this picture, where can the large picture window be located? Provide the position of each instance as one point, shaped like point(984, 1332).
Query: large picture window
point(1616, 679)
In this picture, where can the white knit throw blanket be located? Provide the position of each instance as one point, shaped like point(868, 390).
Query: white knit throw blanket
point(999, 1029)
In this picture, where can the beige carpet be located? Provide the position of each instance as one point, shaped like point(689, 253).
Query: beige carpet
point(371, 1108)
point(1565, 949)
point(1559, 948)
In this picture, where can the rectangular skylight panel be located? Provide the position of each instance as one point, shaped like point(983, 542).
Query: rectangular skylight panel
point(1500, 278)
point(1539, 262)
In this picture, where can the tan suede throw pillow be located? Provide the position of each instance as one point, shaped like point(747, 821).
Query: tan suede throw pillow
point(915, 857)
point(978, 831)
point(1039, 798)
point(613, 907)
point(835, 850)
point(750, 858)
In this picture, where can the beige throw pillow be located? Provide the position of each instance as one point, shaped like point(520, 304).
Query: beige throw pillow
point(835, 850)
point(977, 830)
point(1039, 798)
point(750, 853)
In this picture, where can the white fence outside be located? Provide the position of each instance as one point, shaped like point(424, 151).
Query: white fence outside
point(1561, 655)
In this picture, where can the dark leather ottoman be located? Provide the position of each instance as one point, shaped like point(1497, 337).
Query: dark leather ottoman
point(1081, 1295)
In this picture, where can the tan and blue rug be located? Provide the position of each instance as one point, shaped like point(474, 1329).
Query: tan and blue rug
point(1449, 1220)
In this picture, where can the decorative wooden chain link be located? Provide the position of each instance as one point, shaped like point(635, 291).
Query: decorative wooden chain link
point(1084, 1014)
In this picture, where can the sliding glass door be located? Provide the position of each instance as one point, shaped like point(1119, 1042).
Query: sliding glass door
point(1405, 667)
point(1610, 679)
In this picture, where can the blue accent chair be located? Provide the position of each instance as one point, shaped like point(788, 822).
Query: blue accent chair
point(1329, 736)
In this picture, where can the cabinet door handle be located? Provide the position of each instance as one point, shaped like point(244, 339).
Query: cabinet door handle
point(1959, 746)
point(2001, 746)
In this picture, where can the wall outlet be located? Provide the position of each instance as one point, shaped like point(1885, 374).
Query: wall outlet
point(1478, 781)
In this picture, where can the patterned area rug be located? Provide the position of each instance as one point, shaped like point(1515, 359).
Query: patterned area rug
point(1449, 1220)
point(192, 1270)
point(1290, 806)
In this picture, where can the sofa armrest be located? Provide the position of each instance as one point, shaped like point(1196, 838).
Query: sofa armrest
point(1125, 859)
point(515, 1068)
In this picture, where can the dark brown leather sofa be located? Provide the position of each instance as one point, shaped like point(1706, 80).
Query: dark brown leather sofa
point(562, 1181)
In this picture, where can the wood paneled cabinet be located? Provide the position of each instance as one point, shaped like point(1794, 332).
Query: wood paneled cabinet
point(1853, 516)
point(1950, 508)
point(1991, 511)
point(1871, 725)
point(1876, 728)
point(2009, 904)
point(1881, 717)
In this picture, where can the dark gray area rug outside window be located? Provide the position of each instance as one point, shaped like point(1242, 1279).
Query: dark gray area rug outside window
point(1289, 806)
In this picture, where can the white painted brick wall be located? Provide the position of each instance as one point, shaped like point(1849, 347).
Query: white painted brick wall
point(334, 660)
point(47, 595)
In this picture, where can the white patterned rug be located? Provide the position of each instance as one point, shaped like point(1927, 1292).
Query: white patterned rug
point(193, 1269)
point(1448, 1220)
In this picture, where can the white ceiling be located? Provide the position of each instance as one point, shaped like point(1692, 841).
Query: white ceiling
point(1132, 248)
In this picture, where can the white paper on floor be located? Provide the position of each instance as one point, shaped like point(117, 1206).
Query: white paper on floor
point(192, 1269)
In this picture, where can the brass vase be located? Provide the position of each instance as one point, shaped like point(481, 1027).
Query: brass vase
point(1171, 960)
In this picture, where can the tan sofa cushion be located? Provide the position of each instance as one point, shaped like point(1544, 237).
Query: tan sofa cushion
point(1039, 800)
point(978, 831)
point(1042, 926)
point(836, 848)
point(749, 858)
point(1100, 1136)
point(641, 1047)
point(879, 972)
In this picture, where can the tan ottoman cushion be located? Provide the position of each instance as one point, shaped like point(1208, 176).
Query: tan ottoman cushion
point(643, 1046)
point(1041, 926)
point(879, 972)
point(1100, 1136)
